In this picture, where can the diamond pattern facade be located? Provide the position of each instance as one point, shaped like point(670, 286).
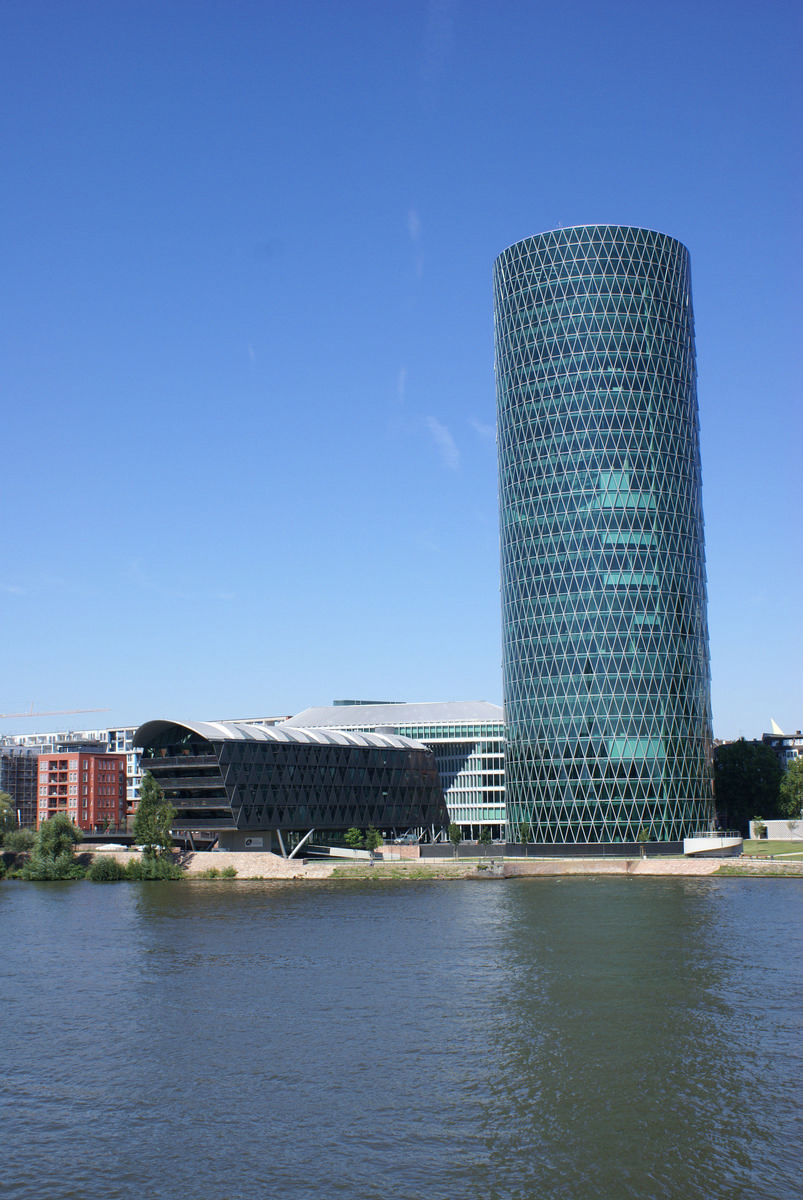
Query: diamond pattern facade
point(605, 638)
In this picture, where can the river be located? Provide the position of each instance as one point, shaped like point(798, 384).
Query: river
point(511, 1040)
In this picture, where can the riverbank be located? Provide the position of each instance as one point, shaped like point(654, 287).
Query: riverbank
point(256, 865)
point(521, 868)
point(251, 864)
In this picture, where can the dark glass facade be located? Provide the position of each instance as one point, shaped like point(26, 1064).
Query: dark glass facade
point(225, 777)
point(466, 737)
point(605, 640)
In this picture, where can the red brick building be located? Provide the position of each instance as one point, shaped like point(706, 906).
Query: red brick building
point(89, 787)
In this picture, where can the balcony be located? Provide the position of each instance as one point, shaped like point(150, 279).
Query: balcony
point(202, 783)
point(196, 821)
point(157, 765)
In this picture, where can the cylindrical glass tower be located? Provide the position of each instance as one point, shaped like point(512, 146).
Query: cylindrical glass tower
point(605, 637)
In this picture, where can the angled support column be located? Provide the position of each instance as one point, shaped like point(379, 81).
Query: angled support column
point(305, 838)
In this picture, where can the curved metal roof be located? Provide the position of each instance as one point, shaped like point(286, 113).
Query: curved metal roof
point(447, 712)
point(231, 731)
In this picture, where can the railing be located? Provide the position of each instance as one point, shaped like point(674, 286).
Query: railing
point(203, 824)
point(195, 783)
point(180, 760)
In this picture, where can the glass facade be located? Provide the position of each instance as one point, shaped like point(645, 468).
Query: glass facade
point(465, 736)
point(471, 765)
point(605, 640)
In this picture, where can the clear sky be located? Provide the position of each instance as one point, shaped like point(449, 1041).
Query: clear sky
point(246, 346)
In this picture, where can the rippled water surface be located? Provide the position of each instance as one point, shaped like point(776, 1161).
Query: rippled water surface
point(528, 1038)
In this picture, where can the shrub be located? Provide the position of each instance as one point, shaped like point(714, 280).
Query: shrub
point(154, 867)
point(18, 841)
point(44, 868)
point(106, 870)
point(53, 854)
point(216, 873)
point(16, 847)
point(12, 862)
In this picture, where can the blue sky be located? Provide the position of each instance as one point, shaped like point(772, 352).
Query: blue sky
point(246, 346)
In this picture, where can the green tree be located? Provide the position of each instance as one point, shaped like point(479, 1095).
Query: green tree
point(485, 836)
point(455, 836)
point(525, 832)
point(17, 845)
point(57, 836)
point(8, 815)
point(153, 819)
point(747, 780)
point(354, 838)
point(791, 790)
point(53, 855)
point(373, 839)
point(19, 841)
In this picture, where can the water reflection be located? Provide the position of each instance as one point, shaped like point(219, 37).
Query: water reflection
point(628, 1070)
point(556, 1037)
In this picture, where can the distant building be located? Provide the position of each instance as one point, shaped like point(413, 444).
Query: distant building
point(467, 738)
point(777, 830)
point(88, 786)
point(264, 787)
point(787, 746)
point(19, 778)
point(117, 741)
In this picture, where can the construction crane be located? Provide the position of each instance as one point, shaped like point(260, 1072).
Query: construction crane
point(59, 712)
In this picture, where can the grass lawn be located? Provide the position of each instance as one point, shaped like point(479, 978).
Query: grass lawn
point(763, 849)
